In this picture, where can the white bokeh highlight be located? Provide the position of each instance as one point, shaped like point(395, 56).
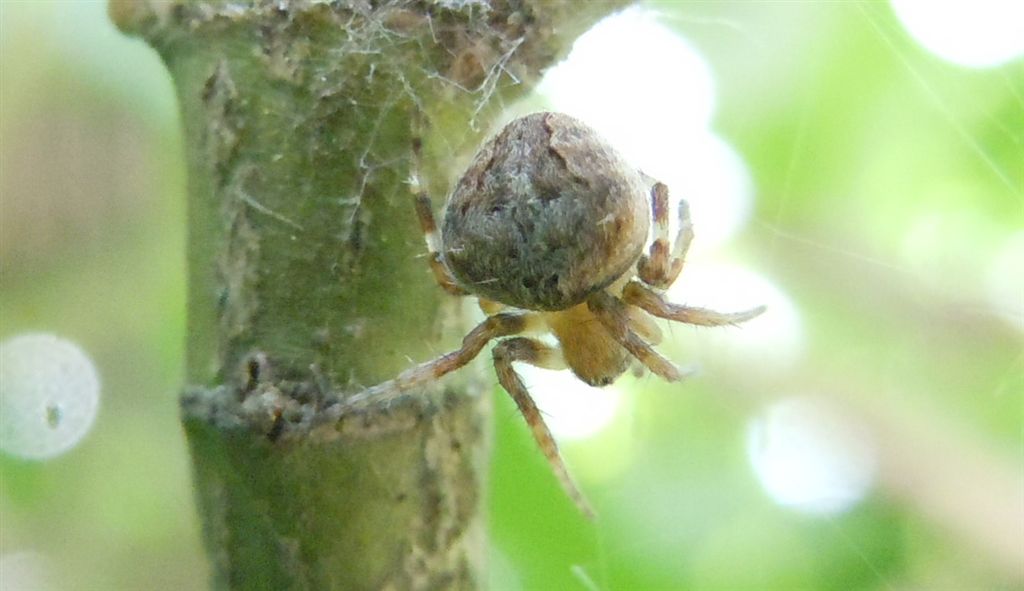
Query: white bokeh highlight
point(572, 409)
point(774, 342)
point(49, 395)
point(652, 96)
point(714, 180)
point(809, 457)
point(627, 73)
point(26, 571)
point(970, 33)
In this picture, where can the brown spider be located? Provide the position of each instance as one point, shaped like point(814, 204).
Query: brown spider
point(547, 227)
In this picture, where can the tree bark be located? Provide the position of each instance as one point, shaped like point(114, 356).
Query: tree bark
point(306, 280)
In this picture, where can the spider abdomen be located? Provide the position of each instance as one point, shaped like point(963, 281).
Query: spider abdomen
point(546, 214)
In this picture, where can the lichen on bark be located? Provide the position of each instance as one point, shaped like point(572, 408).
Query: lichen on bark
point(306, 280)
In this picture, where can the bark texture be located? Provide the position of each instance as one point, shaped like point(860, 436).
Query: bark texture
point(306, 280)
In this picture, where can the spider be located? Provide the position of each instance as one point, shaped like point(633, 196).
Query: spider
point(549, 229)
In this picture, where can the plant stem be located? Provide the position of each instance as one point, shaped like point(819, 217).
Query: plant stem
point(306, 280)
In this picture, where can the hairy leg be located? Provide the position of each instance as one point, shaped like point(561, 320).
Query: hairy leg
point(536, 353)
point(660, 267)
point(497, 326)
point(614, 316)
point(490, 307)
point(644, 326)
point(642, 296)
point(425, 213)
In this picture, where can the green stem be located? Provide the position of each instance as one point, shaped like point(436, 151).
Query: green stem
point(306, 276)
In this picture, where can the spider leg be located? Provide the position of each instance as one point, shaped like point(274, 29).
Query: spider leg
point(425, 213)
point(497, 326)
point(644, 326)
point(614, 315)
point(642, 296)
point(490, 307)
point(661, 266)
point(536, 353)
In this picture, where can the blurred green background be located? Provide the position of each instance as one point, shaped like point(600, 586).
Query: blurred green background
point(888, 205)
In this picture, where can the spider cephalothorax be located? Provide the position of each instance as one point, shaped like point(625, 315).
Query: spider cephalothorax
point(547, 227)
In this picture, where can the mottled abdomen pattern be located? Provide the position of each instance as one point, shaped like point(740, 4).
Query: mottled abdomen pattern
point(546, 214)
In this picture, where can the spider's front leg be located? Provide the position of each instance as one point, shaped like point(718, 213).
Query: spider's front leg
point(660, 267)
point(425, 213)
point(536, 353)
point(614, 315)
point(637, 294)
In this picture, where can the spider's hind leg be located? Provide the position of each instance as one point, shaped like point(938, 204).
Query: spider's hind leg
point(660, 267)
point(536, 353)
point(493, 327)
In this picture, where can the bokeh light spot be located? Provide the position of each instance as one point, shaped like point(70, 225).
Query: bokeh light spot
point(26, 571)
point(652, 96)
point(810, 458)
point(572, 409)
point(49, 394)
point(630, 60)
point(774, 342)
point(714, 180)
point(975, 34)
